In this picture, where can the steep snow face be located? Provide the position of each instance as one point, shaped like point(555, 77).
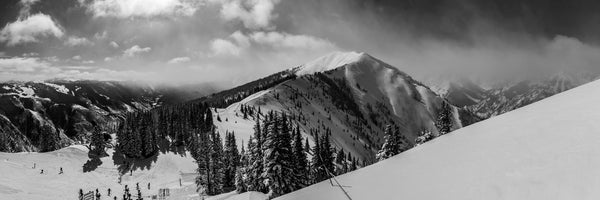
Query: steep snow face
point(329, 62)
point(459, 92)
point(540, 151)
point(355, 100)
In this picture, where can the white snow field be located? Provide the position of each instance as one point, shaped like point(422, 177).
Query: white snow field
point(18, 181)
point(547, 150)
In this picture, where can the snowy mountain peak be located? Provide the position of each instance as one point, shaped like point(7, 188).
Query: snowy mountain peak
point(332, 61)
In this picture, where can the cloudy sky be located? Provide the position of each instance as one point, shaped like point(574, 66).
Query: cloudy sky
point(233, 41)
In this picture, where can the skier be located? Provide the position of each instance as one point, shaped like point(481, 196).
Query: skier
point(33, 166)
point(61, 171)
point(108, 191)
point(97, 194)
point(42, 172)
point(180, 182)
point(148, 186)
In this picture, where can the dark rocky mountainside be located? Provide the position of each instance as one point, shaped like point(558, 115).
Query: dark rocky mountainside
point(44, 116)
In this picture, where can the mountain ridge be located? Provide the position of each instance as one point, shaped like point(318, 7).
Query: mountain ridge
point(523, 154)
point(355, 96)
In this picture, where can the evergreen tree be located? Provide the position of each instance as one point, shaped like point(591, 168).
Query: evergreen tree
point(300, 158)
point(317, 169)
point(97, 143)
point(306, 146)
point(203, 180)
point(340, 160)
point(216, 164)
point(240, 184)
point(231, 162)
point(255, 170)
point(444, 119)
point(327, 154)
point(279, 166)
point(393, 145)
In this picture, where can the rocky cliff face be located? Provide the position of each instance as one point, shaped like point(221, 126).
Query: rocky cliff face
point(44, 116)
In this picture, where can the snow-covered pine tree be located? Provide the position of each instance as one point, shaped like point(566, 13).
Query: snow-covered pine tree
point(340, 161)
point(97, 143)
point(241, 184)
point(203, 180)
point(230, 162)
point(327, 154)
point(255, 168)
point(444, 119)
point(279, 159)
point(307, 150)
point(423, 137)
point(300, 158)
point(317, 169)
point(390, 146)
point(216, 163)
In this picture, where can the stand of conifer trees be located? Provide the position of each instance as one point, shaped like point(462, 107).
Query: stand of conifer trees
point(139, 133)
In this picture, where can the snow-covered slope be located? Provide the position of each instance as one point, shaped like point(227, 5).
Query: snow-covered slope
point(353, 94)
point(459, 92)
point(330, 62)
point(547, 150)
point(19, 181)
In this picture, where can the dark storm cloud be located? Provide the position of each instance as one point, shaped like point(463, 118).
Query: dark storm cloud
point(453, 19)
point(187, 40)
point(436, 36)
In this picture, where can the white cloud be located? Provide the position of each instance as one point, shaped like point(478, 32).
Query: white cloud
point(179, 60)
point(77, 41)
point(26, 69)
point(136, 50)
point(108, 59)
point(23, 65)
point(255, 14)
point(31, 54)
point(114, 44)
point(238, 41)
point(77, 57)
point(224, 47)
point(142, 8)
point(285, 40)
point(29, 29)
point(88, 62)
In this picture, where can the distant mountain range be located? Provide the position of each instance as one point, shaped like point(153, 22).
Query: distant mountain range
point(506, 97)
point(353, 94)
point(44, 116)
